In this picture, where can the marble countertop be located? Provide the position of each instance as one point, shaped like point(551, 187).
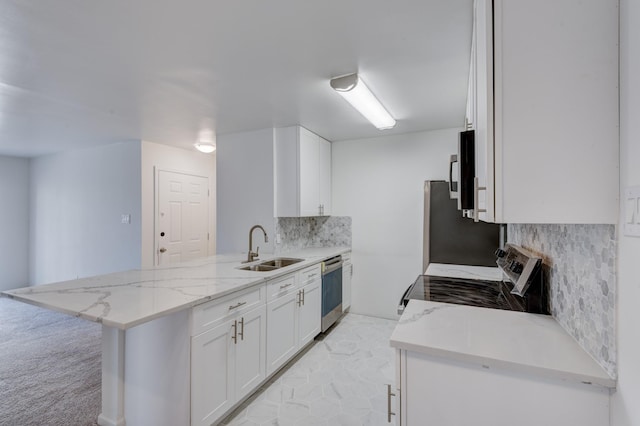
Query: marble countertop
point(126, 299)
point(509, 340)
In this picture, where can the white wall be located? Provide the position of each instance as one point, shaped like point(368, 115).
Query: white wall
point(76, 202)
point(625, 401)
point(164, 157)
point(14, 215)
point(380, 183)
point(245, 190)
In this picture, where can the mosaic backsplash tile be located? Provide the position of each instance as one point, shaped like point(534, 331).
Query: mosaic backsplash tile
point(580, 267)
point(323, 231)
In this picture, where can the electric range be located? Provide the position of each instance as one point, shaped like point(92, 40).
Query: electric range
point(515, 284)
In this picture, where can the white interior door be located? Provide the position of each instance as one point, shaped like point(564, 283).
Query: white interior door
point(182, 217)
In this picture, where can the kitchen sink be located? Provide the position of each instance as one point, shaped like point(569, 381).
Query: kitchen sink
point(259, 267)
point(281, 262)
point(271, 265)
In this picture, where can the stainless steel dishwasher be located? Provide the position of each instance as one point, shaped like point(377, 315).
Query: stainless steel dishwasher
point(331, 291)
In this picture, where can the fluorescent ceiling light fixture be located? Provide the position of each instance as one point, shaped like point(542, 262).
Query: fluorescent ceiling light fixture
point(353, 89)
point(206, 147)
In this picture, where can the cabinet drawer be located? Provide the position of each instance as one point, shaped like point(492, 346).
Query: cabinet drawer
point(281, 286)
point(209, 314)
point(310, 274)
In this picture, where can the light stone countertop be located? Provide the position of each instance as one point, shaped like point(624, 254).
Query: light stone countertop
point(126, 299)
point(514, 341)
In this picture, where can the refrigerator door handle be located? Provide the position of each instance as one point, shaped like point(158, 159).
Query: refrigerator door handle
point(453, 194)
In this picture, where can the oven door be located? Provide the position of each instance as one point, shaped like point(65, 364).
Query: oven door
point(331, 292)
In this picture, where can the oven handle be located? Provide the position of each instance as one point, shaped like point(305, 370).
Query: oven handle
point(331, 265)
point(401, 305)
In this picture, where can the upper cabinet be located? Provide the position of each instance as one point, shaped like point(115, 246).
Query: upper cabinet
point(302, 173)
point(543, 101)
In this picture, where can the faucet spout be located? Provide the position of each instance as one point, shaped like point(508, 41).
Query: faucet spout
point(251, 256)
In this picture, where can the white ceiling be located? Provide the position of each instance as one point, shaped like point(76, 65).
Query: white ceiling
point(75, 73)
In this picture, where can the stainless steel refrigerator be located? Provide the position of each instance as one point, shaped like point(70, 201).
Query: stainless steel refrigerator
point(450, 238)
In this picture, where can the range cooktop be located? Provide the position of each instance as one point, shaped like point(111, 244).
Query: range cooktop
point(520, 285)
point(486, 294)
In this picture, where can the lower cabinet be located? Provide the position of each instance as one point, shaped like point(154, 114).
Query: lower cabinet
point(282, 330)
point(432, 390)
point(227, 361)
point(239, 340)
point(293, 315)
point(309, 312)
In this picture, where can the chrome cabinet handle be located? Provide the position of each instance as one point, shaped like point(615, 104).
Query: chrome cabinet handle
point(241, 328)
point(303, 297)
point(476, 196)
point(299, 295)
point(389, 395)
point(285, 286)
point(235, 332)
point(237, 305)
point(162, 250)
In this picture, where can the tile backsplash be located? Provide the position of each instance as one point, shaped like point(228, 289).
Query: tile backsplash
point(322, 231)
point(580, 263)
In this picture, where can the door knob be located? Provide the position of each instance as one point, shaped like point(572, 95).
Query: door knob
point(162, 249)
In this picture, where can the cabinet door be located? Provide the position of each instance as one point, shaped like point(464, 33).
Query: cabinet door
point(484, 138)
point(324, 148)
point(310, 312)
point(250, 351)
point(309, 173)
point(347, 272)
point(212, 366)
point(282, 331)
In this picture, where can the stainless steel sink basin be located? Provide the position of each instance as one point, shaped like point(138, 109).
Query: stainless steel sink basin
point(271, 265)
point(281, 262)
point(259, 268)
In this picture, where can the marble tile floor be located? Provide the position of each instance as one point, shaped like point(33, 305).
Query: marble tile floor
point(339, 380)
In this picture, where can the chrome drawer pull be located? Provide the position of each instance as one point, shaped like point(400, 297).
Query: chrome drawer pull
point(235, 332)
point(285, 286)
point(237, 305)
point(389, 395)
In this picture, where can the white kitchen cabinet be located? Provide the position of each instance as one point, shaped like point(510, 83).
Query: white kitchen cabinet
point(212, 366)
point(544, 107)
point(433, 390)
point(310, 305)
point(293, 315)
point(228, 358)
point(282, 328)
point(347, 273)
point(250, 350)
point(303, 173)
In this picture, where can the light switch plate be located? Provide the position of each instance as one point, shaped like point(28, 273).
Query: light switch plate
point(632, 211)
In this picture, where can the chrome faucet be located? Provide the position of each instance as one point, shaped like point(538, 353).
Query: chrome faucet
point(251, 256)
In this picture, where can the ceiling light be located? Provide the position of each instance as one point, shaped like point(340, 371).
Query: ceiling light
point(206, 147)
point(353, 89)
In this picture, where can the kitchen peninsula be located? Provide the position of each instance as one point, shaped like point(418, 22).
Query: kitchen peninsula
point(151, 317)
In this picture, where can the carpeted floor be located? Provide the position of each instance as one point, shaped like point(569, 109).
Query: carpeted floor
point(49, 367)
